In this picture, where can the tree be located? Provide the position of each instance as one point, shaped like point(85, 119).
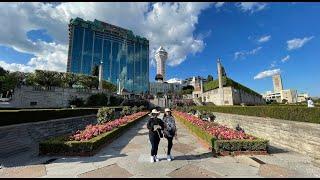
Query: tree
point(108, 86)
point(48, 78)
point(209, 78)
point(95, 70)
point(3, 71)
point(69, 79)
point(89, 81)
point(9, 81)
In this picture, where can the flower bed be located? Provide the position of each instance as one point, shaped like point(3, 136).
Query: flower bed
point(223, 140)
point(90, 140)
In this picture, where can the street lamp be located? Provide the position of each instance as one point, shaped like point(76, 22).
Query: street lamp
point(100, 75)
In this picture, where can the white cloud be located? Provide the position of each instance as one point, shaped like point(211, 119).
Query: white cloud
point(16, 67)
point(242, 54)
point(297, 42)
point(264, 39)
point(267, 73)
point(171, 25)
point(273, 64)
point(174, 80)
point(251, 6)
point(285, 59)
point(219, 4)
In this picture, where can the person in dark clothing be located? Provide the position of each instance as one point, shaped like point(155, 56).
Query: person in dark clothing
point(155, 126)
point(169, 131)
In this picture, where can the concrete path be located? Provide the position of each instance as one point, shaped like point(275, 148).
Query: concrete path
point(129, 156)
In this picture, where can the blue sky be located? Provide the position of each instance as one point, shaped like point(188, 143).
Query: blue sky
point(233, 30)
point(252, 39)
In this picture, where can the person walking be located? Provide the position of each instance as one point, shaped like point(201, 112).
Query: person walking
point(310, 103)
point(155, 126)
point(170, 131)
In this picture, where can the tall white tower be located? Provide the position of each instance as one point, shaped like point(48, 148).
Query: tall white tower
point(161, 57)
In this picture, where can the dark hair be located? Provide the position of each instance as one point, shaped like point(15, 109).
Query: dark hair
point(165, 114)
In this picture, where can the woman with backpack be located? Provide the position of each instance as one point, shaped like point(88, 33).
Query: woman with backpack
point(155, 126)
point(170, 131)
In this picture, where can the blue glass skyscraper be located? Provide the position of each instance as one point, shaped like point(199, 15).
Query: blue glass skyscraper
point(125, 56)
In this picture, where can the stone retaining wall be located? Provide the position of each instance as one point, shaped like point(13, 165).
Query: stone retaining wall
point(26, 137)
point(297, 136)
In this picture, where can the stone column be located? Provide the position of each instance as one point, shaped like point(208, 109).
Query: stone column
point(100, 75)
point(220, 90)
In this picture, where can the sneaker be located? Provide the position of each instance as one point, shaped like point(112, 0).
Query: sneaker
point(169, 158)
point(152, 159)
point(156, 158)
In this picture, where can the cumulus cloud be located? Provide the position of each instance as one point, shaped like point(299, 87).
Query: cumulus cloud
point(174, 80)
point(285, 59)
point(297, 43)
point(16, 67)
point(243, 54)
point(267, 73)
point(251, 6)
point(264, 39)
point(171, 25)
point(219, 4)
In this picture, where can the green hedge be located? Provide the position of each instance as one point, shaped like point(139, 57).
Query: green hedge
point(9, 117)
point(298, 113)
point(61, 146)
point(219, 146)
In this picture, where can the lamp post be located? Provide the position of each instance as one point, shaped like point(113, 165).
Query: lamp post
point(100, 75)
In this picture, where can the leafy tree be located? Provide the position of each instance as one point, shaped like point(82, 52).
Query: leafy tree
point(69, 79)
point(109, 86)
point(89, 81)
point(48, 78)
point(9, 81)
point(95, 70)
point(210, 78)
point(3, 71)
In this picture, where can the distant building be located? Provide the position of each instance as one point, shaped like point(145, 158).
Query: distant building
point(124, 56)
point(277, 83)
point(302, 97)
point(161, 86)
point(225, 91)
point(161, 57)
point(283, 95)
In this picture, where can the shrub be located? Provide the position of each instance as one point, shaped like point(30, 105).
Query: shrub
point(78, 102)
point(9, 117)
point(100, 99)
point(293, 113)
point(141, 108)
point(63, 146)
point(134, 109)
point(221, 138)
point(125, 111)
point(105, 114)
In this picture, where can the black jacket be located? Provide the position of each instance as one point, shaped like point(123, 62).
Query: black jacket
point(155, 121)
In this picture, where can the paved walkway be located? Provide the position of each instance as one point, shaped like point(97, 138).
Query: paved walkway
point(128, 156)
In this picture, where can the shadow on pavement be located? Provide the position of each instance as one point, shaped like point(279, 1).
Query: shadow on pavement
point(109, 151)
point(194, 157)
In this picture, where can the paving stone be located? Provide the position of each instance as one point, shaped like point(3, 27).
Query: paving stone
point(24, 171)
point(111, 171)
point(247, 160)
point(272, 170)
point(191, 171)
point(229, 169)
point(183, 148)
point(131, 147)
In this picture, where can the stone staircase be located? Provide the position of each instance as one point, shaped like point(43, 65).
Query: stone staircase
point(15, 146)
point(197, 102)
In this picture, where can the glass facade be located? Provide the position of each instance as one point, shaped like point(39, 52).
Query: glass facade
point(125, 57)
